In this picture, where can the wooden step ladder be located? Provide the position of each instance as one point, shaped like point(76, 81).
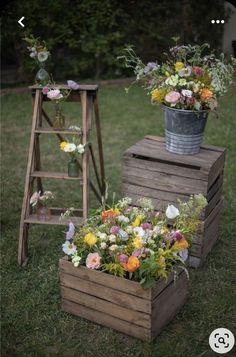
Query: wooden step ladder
point(87, 96)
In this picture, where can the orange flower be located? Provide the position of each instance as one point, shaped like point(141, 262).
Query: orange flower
point(181, 244)
point(132, 264)
point(109, 214)
point(205, 94)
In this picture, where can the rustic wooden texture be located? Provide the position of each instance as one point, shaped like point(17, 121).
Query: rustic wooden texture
point(55, 175)
point(87, 96)
point(150, 171)
point(168, 303)
point(57, 131)
point(119, 303)
point(54, 220)
point(130, 287)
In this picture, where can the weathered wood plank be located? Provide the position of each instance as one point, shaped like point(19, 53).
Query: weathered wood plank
point(165, 181)
point(127, 286)
point(115, 296)
point(144, 179)
point(168, 303)
point(106, 320)
point(157, 165)
point(135, 317)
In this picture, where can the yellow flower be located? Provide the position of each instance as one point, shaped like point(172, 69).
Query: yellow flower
point(181, 244)
point(90, 239)
point(179, 66)
point(137, 221)
point(137, 242)
point(158, 95)
point(62, 145)
point(161, 261)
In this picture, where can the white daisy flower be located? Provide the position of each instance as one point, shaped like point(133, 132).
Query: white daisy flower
point(43, 56)
point(70, 147)
point(69, 248)
point(80, 148)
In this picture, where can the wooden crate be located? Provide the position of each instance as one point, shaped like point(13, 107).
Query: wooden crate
point(151, 171)
point(120, 303)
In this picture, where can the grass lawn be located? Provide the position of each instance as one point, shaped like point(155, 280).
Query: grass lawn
point(32, 321)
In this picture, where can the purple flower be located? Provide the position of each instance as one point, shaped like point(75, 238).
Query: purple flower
point(122, 258)
point(114, 230)
point(70, 233)
point(146, 226)
point(138, 252)
point(72, 85)
point(150, 66)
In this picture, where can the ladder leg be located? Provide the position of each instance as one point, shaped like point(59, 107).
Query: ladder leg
point(86, 120)
point(23, 235)
point(100, 148)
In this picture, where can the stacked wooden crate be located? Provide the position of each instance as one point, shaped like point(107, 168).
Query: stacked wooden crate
point(120, 303)
point(151, 171)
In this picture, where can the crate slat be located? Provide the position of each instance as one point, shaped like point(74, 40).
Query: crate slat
point(96, 296)
point(106, 320)
point(102, 305)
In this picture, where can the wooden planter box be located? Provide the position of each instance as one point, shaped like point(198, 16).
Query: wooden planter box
point(120, 303)
point(151, 171)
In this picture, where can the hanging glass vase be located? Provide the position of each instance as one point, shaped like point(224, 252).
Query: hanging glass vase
point(59, 119)
point(42, 76)
point(43, 213)
point(73, 167)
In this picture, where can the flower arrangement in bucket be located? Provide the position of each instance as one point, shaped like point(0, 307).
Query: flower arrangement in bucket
point(135, 243)
point(39, 52)
point(187, 85)
point(41, 200)
point(74, 149)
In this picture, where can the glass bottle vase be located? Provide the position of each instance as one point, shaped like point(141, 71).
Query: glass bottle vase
point(59, 120)
point(43, 213)
point(42, 77)
point(73, 168)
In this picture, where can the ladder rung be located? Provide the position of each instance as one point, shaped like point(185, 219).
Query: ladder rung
point(55, 175)
point(54, 220)
point(57, 131)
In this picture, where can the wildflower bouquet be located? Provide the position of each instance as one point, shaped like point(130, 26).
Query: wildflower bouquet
point(37, 48)
point(135, 243)
point(72, 148)
point(190, 79)
point(38, 198)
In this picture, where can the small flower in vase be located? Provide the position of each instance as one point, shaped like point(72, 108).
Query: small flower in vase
point(58, 96)
point(41, 200)
point(39, 52)
point(74, 150)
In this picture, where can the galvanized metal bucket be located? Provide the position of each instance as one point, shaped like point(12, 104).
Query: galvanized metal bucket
point(184, 130)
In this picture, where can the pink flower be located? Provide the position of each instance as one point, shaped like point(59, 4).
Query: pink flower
point(122, 258)
point(198, 71)
point(93, 261)
point(172, 97)
point(177, 235)
point(146, 226)
point(45, 90)
point(72, 85)
point(114, 230)
point(34, 198)
point(54, 94)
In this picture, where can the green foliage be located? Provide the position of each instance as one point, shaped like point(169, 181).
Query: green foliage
point(85, 36)
point(114, 269)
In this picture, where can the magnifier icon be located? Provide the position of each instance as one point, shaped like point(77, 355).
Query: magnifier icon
point(221, 340)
